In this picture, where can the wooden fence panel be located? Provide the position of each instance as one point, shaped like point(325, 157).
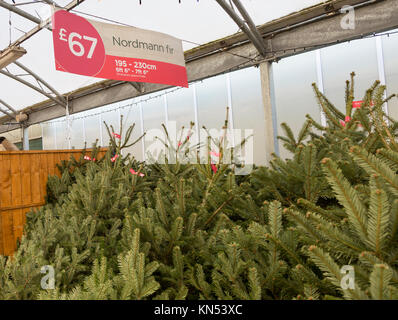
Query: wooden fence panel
point(23, 180)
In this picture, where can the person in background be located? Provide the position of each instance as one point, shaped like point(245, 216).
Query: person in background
point(6, 145)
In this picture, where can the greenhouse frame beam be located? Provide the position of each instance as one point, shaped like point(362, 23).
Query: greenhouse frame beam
point(137, 86)
point(249, 21)
point(26, 83)
point(43, 24)
point(15, 112)
point(289, 22)
point(10, 55)
point(7, 113)
point(50, 2)
point(38, 78)
point(208, 60)
point(20, 12)
point(257, 41)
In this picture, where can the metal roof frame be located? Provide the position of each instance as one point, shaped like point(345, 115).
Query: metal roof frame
point(43, 24)
point(40, 80)
point(59, 99)
point(28, 84)
point(12, 116)
point(247, 25)
point(20, 12)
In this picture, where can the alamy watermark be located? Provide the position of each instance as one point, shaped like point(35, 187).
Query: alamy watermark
point(48, 281)
point(348, 21)
point(234, 147)
point(348, 280)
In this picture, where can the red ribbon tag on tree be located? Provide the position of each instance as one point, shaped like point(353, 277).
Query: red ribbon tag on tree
point(116, 135)
point(216, 154)
point(357, 104)
point(214, 168)
point(136, 173)
point(88, 158)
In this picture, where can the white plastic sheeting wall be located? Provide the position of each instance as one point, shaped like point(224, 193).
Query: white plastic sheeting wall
point(371, 59)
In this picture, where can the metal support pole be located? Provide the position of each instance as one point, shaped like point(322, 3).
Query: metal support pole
point(68, 125)
point(381, 69)
point(42, 136)
point(142, 131)
point(55, 134)
point(25, 137)
point(269, 111)
point(195, 106)
point(231, 109)
point(166, 111)
point(100, 128)
point(119, 114)
point(319, 72)
point(84, 131)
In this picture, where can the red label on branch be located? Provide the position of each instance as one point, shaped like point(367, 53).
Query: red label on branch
point(116, 135)
point(214, 168)
point(132, 171)
point(113, 159)
point(109, 51)
point(357, 104)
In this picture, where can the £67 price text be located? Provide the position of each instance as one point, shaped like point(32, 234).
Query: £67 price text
point(75, 45)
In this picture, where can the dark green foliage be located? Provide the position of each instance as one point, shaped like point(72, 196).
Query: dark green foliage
point(183, 231)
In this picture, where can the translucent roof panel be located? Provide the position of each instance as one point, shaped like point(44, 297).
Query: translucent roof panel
point(195, 22)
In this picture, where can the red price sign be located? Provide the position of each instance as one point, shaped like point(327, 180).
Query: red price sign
point(77, 44)
point(109, 51)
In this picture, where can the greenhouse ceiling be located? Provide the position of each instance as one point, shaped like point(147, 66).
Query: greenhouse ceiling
point(197, 22)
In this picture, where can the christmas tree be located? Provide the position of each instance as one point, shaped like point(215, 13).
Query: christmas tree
point(117, 228)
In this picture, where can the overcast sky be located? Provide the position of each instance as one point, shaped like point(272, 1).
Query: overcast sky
point(197, 21)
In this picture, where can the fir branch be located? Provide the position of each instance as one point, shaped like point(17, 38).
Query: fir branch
point(379, 281)
point(347, 196)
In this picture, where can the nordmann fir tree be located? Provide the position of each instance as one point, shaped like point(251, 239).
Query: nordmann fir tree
point(340, 196)
point(197, 231)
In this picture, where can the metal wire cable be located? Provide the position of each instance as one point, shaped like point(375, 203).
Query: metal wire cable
point(165, 92)
point(128, 25)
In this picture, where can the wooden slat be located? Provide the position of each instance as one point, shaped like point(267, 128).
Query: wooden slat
point(46, 152)
point(57, 161)
point(18, 184)
point(23, 180)
point(26, 206)
point(1, 229)
point(50, 164)
point(43, 174)
point(35, 178)
point(6, 218)
point(7, 224)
